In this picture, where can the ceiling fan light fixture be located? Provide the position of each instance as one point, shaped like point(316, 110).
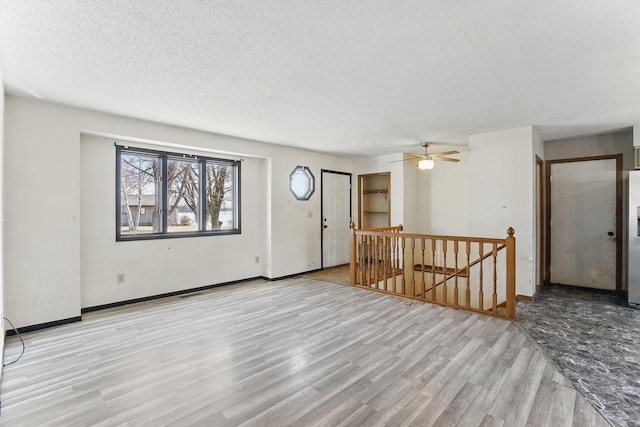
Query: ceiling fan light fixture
point(426, 164)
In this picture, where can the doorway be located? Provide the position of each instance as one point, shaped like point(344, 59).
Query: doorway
point(584, 222)
point(336, 217)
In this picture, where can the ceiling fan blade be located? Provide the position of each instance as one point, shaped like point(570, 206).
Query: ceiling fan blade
point(444, 159)
point(416, 156)
point(446, 153)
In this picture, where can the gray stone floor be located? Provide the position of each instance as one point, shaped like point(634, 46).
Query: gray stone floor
point(594, 338)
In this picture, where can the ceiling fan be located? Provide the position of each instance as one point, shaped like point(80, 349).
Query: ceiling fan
point(427, 161)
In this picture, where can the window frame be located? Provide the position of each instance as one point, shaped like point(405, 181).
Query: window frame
point(164, 157)
point(310, 187)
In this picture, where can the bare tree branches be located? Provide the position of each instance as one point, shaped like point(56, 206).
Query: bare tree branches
point(218, 186)
point(202, 186)
point(138, 178)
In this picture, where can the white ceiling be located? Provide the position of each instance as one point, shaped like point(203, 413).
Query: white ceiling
point(353, 78)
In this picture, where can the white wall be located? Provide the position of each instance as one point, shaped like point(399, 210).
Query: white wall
point(538, 150)
point(190, 262)
point(443, 198)
point(2, 328)
point(55, 266)
point(595, 145)
point(538, 144)
point(501, 194)
point(411, 174)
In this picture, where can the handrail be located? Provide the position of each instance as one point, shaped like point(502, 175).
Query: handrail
point(375, 232)
point(391, 229)
point(469, 273)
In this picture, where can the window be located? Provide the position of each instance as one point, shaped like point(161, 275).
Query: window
point(162, 195)
point(302, 183)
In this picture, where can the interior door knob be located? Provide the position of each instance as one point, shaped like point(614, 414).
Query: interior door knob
point(610, 233)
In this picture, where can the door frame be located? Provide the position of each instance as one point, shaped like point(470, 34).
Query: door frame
point(548, 163)
point(322, 172)
point(541, 225)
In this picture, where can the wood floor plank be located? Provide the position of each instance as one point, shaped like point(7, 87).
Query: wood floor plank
point(454, 411)
point(584, 415)
point(563, 406)
point(293, 352)
point(540, 415)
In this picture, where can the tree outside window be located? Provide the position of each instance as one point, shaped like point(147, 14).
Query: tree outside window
point(165, 195)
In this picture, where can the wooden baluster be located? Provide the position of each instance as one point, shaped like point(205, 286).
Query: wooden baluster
point(404, 268)
point(362, 257)
point(494, 305)
point(376, 246)
point(381, 268)
point(385, 260)
point(511, 274)
point(413, 275)
point(468, 293)
point(370, 264)
point(398, 250)
point(398, 253)
point(455, 281)
point(360, 278)
point(481, 293)
point(364, 260)
point(444, 270)
point(433, 270)
point(369, 260)
point(359, 260)
point(376, 260)
point(394, 252)
point(352, 254)
point(381, 261)
point(390, 248)
point(424, 285)
point(392, 269)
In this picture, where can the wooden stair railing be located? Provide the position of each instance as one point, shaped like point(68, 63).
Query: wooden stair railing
point(450, 272)
point(464, 272)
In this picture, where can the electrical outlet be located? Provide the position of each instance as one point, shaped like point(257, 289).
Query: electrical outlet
point(257, 259)
point(120, 278)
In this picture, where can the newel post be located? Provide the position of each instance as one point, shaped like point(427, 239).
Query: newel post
point(352, 255)
point(511, 274)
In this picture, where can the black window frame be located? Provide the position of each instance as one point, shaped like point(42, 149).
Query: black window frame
point(164, 157)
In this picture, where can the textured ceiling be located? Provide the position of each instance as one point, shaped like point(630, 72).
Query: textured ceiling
point(352, 78)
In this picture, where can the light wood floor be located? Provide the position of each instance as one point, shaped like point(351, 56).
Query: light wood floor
point(293, 352)
point(337, 274)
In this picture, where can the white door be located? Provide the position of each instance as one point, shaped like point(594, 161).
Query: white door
point(583, 224)
point(336, 218)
